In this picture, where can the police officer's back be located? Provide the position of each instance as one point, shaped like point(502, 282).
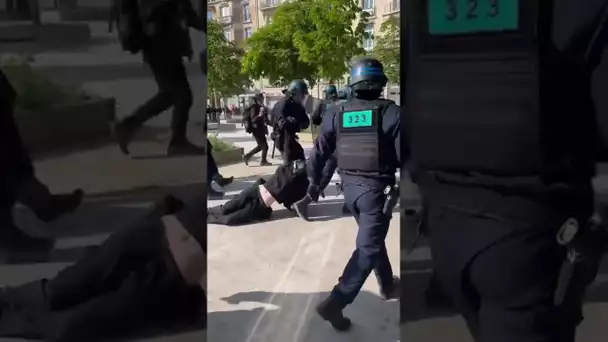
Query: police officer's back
point(365, 134)
point(331, 97)
point(501, 132)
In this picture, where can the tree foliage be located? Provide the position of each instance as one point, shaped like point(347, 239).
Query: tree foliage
point(308, 39)
point(224, 59)
point(272, 54)
point(387, 49)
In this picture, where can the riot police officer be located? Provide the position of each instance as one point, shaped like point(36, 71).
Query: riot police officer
point(365, 135)
point(289, 117)
point(255, 121)
point(502, 135)
point(331, 100)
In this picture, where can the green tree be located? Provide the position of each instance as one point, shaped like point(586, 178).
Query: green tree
point(225, 77)
point(329, 39)
point(387, 49)
point(271, 52)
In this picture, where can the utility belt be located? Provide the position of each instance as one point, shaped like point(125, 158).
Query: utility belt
point(584, 246)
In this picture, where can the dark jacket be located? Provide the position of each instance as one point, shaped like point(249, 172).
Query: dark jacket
point(166, 26)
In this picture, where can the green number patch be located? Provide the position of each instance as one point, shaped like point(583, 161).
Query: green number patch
point(357, 119)
point(450, 17)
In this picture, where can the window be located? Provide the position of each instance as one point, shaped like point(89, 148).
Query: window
point(209, 15)
point(368, 4)
point(225, 11)
point(228, 35)
point(368, 43)
point(269, 20)
point(246, 13)
point(248, 32)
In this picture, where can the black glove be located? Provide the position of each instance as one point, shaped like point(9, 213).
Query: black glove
point(313, 192)
point(292, 120)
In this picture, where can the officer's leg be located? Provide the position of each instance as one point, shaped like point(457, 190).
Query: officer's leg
point(160, 102)
point(370, 253)
point(47, 207)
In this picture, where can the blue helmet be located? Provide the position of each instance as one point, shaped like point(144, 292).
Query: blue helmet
point(297, 87)
point(331, 91)
point(367, 74)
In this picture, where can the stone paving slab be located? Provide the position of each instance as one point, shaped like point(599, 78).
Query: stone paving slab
point(266, 278)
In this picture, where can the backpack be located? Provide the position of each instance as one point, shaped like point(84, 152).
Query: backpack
point(124, 15)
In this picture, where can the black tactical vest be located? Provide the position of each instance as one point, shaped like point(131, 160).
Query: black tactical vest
point(488, 92)
point(360, 139)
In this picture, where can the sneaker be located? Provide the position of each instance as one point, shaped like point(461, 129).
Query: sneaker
point(301, 207)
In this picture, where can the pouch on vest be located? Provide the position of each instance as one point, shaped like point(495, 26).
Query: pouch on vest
point(484, 92)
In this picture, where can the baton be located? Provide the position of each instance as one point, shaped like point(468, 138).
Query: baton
point(274, 145)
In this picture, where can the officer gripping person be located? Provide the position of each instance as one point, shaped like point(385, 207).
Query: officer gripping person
point(160, 30)
point(502, 132)
point(365, 134)
point(331, 100)
point(289, 117)
point(255, 121)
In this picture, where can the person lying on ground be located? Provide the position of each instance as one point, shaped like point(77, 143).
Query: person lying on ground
point(149, 274)
point(286, 186)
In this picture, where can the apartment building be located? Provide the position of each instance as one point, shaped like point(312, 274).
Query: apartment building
point(235, 15)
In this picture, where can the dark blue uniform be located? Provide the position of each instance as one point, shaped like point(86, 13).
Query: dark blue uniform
point(364, 196)
point(492, 231)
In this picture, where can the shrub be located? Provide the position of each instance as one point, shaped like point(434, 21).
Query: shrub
point(35, 91)
point(219, 145)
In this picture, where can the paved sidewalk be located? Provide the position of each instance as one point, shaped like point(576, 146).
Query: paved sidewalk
point(266, 278)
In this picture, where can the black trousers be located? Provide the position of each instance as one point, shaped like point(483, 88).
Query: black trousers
point(501, 269)
point(212, 169)
point(260, 139)
point(173, 90)
point(131, 279)
point(245, 208)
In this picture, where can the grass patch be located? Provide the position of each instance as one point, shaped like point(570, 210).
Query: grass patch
point(219, 145)
point(35, 91)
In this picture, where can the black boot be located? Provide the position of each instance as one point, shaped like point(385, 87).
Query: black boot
point(265, 163)
point(331, 310)
point(393, 291)
point(301, 207)
point(221, 181)
point(246, 159)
